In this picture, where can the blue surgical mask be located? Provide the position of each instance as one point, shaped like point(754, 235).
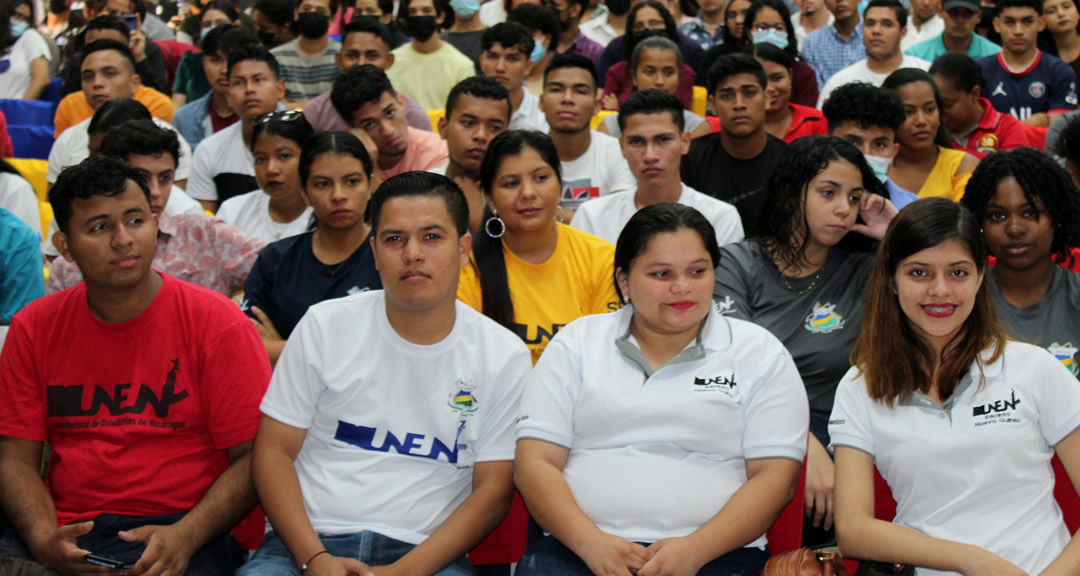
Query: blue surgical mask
point(539, 50)
point(17, 27)
point(464, 8)
point(774, 37)
point(879, 165)
point(205, 31)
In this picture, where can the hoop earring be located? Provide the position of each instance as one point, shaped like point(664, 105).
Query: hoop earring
point(495, 220)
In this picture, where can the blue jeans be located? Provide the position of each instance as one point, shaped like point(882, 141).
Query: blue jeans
point(273, 558)
point(548, 556)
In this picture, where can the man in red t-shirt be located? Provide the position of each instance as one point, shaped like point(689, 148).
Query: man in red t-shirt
point(147, 389)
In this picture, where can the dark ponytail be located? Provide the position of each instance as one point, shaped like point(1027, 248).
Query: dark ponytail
point(488, 251)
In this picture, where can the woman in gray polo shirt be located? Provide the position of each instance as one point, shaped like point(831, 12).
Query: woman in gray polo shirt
point(803, 275)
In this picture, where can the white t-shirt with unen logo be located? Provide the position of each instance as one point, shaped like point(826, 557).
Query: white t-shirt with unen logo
point(394, 429)
point(600, 171)
point(656, 455)
point(977, 469)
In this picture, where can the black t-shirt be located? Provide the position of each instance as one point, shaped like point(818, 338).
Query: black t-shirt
point(287, 279)
point(709, 169)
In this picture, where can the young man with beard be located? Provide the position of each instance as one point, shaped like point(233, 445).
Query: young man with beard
point(309, 62)
point(883, 29)
point(812, 15)
point(427, 68)
point(477, 110)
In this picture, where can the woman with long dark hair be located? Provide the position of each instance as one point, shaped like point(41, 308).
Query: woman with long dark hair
point(663, 438)
point(961, 422)
point(802, 276)
point(332, 261)
point(646, 20)
point(528, 272)
point(1061, 37)
point(926, 164)
point(785, 119)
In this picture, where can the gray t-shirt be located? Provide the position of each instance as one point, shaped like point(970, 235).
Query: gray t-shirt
point(1052, 323)
point(817, 327)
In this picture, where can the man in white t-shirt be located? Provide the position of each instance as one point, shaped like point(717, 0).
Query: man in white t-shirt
point(923, 23)
point(653, 140)
point(505, 50)
point(224, 166)
point(884, 26)
point(592, 162)
point(386, 437)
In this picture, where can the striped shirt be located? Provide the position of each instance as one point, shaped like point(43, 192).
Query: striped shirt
point(306, 78)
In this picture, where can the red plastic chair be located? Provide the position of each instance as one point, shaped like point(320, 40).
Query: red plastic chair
point(786, 533)
point(1036, 136)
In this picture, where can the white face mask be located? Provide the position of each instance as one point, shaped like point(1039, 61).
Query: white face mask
point(879, 165)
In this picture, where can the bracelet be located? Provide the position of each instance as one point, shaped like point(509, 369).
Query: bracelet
point(305, 565)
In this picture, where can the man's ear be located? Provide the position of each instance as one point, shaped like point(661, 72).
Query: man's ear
point(280, 90)
point(136, 81)
point(442, 127)
point(389, 60)
point(464, 248)
point(60, 242)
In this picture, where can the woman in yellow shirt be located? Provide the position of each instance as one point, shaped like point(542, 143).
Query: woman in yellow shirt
point(926, 164)
point(528, 272)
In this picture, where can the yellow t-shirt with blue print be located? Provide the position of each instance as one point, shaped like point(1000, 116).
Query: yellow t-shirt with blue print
point(578, 279)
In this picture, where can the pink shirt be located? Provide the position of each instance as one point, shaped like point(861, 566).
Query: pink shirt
point(426, 150)
point(194, 248)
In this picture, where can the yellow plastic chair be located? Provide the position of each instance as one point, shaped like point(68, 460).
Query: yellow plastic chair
point(34, 170)
point(701, 96)
point(435, 116)
point(599, 117)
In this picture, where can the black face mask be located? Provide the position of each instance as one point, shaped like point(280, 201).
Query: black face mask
point(650, 33)
point(618, 7)
point(267, 39)
point(420, 27)
point(57, 6)
point(986, 19)
point(312, 24)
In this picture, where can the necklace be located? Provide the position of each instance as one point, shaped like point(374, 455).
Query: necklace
point(787, 284)
point(333, 268)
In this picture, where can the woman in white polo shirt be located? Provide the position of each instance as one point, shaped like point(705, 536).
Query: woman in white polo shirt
point(961, 422)
point(662, 438)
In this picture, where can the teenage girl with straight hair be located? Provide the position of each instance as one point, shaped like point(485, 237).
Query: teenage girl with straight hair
point(961, 422)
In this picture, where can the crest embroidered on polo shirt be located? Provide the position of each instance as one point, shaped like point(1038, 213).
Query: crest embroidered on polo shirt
point(1064, 353)
point(987, 144)
point(824, 319)
point(462, 400)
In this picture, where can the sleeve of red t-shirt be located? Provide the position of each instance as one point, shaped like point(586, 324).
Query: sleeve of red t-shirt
point(22, 398)
point(234, 376)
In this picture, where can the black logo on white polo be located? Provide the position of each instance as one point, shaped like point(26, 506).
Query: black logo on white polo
point(1002, 411)
point(724, 384)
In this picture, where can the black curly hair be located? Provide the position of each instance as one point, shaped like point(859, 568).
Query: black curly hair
point(99, 175)
point(1040, 177)
point(782, 215)
point(864, 104)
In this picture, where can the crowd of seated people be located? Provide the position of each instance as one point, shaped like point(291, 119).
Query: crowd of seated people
point(332, 287)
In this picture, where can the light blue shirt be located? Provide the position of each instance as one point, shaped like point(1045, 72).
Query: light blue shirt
point(21, 278)
point(930, 49)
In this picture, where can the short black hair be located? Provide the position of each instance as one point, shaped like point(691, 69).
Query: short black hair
point(661, 43)
point(1039, 176)
point(732, 65)
point(771, 53)
point(960, 69)
point(403, 8)
point(369, 26)
point(897, 8)
point(225, 39)
point(108, 44)
point(98, 175)
point(479, 87)
point(866, 105)
point(109, 22)
point(280, 12)
point(535, 17)
point(357, 86)
point(140, 137)
point(568, 60)
point(256, 53)
point(116, 112)
point(652, 101)
point(1035, 5)
point(584, 6)
point(420, 183)
point(224, 6)
point(646, 223)
point(509, 35)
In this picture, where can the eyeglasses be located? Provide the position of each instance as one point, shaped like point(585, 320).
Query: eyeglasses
point(649, 25)
point(283, 115)
point(765, 28)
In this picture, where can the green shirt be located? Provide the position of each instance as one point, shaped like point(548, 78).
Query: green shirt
point(930, 49)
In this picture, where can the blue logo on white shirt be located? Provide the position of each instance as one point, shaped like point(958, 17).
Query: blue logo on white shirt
point(417, 445)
